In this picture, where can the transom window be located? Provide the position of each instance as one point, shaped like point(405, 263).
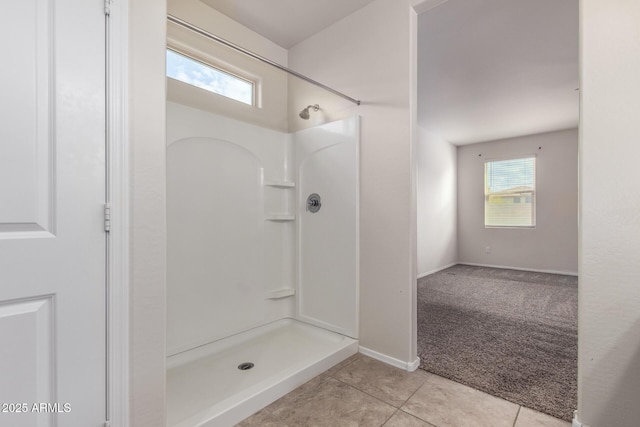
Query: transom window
point(207, 77)
point(509, 193)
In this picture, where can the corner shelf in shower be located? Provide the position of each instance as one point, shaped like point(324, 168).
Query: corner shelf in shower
point(281, 293)
point(280, 217)
point(280, 184)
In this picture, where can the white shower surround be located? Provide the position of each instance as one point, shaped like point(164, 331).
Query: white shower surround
point(245, 259)
point(217, 232)
point(328, 252)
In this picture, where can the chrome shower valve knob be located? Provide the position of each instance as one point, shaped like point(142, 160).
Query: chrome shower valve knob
point(314, 203)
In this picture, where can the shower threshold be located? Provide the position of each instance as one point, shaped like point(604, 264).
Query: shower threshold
point(222, 383)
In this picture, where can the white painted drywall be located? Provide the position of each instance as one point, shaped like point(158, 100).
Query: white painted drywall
point(287, 22)
point(609, 288)
point(422, 6)
point(370, 55)
point(437, 238)
point(553, 244)
point(303, 94)
point(271, 84)
point(147, 136)
point(203, 16)
point(223, 258)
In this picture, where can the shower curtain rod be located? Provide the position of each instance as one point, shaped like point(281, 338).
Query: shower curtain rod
point(227, 43)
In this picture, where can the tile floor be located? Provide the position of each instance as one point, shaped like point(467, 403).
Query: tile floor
point(364, 392)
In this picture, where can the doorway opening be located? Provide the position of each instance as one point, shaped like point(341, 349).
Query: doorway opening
point(498, 112)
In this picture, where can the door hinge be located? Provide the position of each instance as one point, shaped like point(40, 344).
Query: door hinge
point(107, 217)
point(107, 7)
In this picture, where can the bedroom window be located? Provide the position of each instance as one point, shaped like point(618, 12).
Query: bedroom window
point(207, 77)
point(509, 193)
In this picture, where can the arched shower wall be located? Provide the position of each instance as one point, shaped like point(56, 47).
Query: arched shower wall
point(328, 251)
point(230, 260)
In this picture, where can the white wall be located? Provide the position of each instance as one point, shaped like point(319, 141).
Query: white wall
point(436, 164)
point(199, 14)
point(303, 94)
point(147, 136)
point(370, 55)
point(553, 244)
point(609, 287)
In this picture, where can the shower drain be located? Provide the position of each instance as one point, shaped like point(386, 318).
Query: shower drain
point(245, 366)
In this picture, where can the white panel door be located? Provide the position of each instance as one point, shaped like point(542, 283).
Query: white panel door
point(52, 189)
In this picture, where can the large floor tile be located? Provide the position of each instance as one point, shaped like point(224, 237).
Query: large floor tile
point(269, 416)
point(402, 419)
point(445, 403)
point(530, 418)
point(391, 385)
point(332, 371)
point(329, 403)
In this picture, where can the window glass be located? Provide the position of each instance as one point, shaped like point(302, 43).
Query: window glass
point(196, 73)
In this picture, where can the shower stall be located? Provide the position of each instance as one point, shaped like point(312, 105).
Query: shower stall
point(262, 226)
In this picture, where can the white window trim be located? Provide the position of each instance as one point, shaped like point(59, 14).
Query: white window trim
point(200, 56)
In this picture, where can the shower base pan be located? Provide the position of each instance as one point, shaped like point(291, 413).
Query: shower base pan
point(207, 387)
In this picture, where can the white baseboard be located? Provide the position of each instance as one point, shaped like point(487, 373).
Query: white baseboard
point(436, 270)
point(535, 270)
point(413, 365)
point(575, 422)
point(407, 366)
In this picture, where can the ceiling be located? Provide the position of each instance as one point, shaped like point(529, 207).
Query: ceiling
point(493, 69)
point(287, 22)
point(487, 69)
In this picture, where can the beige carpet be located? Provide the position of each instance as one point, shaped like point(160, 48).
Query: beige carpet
point(512, 334)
